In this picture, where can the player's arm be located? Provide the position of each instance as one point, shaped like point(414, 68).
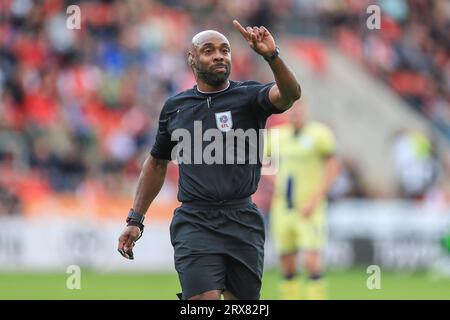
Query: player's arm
point(331, 168)
point(150, 182)
point(331, 173)
point(287, 89)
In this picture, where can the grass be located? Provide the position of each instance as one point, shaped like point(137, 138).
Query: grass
point(163, 286)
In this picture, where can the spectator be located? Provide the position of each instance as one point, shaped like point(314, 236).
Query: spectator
point(10, 203)
point(414, 163)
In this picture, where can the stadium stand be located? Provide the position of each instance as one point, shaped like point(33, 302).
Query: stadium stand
point(79, 107)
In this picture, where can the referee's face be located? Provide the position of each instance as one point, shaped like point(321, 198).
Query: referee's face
point(211, 58)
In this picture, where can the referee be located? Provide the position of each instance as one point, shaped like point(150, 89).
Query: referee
point(217, 232)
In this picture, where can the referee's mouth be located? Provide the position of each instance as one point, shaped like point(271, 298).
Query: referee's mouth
point(220, 68)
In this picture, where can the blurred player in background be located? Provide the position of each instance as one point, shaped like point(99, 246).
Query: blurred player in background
point(307, 169)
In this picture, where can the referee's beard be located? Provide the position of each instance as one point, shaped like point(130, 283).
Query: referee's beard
point(212, 77)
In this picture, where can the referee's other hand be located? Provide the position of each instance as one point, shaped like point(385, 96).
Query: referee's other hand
point(127, 240)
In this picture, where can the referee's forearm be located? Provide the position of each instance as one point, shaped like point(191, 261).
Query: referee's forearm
point(150, 182)
point(286, 81)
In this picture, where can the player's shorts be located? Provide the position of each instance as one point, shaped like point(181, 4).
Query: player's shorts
point(219, 248)
point(292, 232)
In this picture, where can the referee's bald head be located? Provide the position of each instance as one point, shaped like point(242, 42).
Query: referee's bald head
point(204, 36)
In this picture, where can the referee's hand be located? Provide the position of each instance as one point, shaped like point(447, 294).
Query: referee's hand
point(258, 38)
point(127, 241)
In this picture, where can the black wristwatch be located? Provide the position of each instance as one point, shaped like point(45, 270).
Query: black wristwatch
point(273, 56)
point(135, 219)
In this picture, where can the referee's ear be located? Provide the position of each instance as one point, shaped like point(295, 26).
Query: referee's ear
point(190, 60)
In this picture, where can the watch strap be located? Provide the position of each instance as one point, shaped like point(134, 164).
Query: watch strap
point(135, 216)
point(273, 56)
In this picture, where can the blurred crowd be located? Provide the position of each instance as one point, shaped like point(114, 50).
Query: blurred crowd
point(411, 54)
point(411, 51)
point(79, 108)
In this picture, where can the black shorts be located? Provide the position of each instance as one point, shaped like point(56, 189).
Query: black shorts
point(219, 248)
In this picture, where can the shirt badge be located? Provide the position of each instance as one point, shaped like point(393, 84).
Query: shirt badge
point(224, 121)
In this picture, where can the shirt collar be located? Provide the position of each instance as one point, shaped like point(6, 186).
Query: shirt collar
point(212, 92)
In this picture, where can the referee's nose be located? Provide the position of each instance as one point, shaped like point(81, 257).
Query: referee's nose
point(218, 57)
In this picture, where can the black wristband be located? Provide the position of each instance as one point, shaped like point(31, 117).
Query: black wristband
point(135, 223)
point(135, 219)
point(133, 215)
point(273, 56)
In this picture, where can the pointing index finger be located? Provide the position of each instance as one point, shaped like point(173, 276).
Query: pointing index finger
point(241, 29)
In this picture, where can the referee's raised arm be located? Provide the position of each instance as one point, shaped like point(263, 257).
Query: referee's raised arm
point(287, 89)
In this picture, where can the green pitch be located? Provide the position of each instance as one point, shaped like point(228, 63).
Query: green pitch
point(342, 285)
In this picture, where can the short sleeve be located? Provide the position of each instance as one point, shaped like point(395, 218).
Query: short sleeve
point(162, 148)
point(259, 94)
point(326, 143)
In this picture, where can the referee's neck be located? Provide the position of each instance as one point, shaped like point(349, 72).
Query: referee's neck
point(206, 88)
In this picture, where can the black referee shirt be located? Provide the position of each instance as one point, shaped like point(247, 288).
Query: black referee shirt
point(243, 105)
